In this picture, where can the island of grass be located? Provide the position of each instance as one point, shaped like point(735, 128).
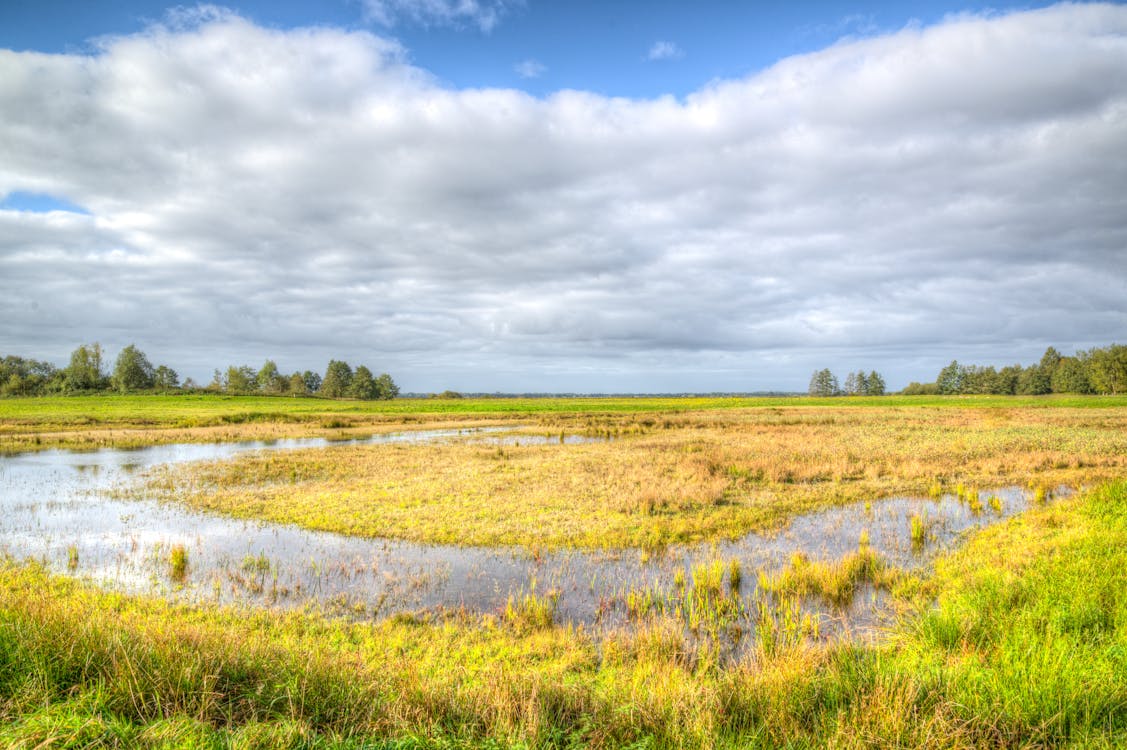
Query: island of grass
point(653, 479)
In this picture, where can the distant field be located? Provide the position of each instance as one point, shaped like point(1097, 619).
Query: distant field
point(137, 420)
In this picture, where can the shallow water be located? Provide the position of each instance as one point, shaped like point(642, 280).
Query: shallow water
point(57, 503)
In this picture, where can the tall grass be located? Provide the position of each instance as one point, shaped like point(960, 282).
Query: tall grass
point(1019, 640)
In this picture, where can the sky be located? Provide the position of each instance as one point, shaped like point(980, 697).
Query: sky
point(493, 195)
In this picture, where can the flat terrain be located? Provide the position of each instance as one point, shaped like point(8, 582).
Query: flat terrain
point(653, 479)
point(133, 421)
point(1025, 646)
point(1018, 638)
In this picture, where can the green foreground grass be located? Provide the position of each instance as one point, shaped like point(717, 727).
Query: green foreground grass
point(1019, 640)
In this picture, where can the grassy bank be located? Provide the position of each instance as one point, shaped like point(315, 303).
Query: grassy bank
point(663, 479)
point(137, 420)
point(1025, 646)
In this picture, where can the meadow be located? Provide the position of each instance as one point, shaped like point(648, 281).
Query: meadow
point(654, 479)
point(1015, 638)
point(90, 422)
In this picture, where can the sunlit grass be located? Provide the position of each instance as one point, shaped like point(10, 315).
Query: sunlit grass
point(88, 422)
point(1020, 640)
point(662, 479)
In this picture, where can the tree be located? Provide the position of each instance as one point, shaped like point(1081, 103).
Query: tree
point(268, 379)
point(132, 370)
point(951, 377)
point(876, 384)
point(386, 389)
point(20, 377)
point(85, 370)
point(823, 383)
point(165, 378)
point(920, 389)
point(363, 385)
point(1107, 369)
point(1071, 376)
point(297, 385)
point(338, 378)
point(312, 381)
point(239, 379)
point(1050, 360)
point(1034, 381)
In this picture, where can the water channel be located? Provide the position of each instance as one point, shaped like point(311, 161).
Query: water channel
point(60, 507)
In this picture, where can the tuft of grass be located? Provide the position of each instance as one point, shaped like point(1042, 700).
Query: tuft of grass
point(917, 529)
point(834, 581)
point(72, 557)
point(178, 562)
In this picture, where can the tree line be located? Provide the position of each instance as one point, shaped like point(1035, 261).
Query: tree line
point(1100, 370)
point(132, 372)
point(825, 383)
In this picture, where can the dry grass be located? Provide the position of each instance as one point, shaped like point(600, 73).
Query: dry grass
point(665, 478)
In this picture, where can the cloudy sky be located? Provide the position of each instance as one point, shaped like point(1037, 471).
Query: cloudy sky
point(492, 195)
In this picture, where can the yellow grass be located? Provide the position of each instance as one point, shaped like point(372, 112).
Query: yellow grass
point(665, 478)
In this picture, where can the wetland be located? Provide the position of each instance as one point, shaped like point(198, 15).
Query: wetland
point(581, 552)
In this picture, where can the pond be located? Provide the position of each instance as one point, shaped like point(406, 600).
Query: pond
point(60, 507)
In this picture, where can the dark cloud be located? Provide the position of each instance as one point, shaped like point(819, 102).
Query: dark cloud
point(956, 190)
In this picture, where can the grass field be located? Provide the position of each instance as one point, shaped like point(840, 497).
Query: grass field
point(663, 478)
point(1017, 639)
point(1026, 646)
point(132, 421)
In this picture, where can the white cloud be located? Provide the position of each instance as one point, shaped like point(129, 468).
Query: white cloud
point(530, 68)
point(663, 50)
point(484, 14)
point(957, 190)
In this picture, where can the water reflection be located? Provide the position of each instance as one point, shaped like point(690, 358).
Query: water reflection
point(56, 506)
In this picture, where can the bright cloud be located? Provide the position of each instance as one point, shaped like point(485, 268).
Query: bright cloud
point(958, 190)
point(530, 68)
point(663, 50)
point(484, 14)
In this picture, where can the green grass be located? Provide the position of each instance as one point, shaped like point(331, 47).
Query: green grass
point(204, 409)
point(1025, 645)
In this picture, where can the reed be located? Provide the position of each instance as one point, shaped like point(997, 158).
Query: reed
point(1014, 641)
point(178, 562)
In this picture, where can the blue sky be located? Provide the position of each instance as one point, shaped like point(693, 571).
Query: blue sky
point(603, 47)
point(488, 195)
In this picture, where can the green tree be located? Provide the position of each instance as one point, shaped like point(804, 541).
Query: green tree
point(132, 370)
point(297, 385)
point(876, 384)
point(951, 377)
point(1050, 360)
point(240, 379)
point(1008, 378)
point(268, 379)
point(823, 383)
point(363, 385)
point(338, 378)
point(1071, 376)
point(165, 378)
point(312, 381)
point(1034, 381)
point(920, 389)
point(386, 389)
point(1107, 369)
point(84, 373)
